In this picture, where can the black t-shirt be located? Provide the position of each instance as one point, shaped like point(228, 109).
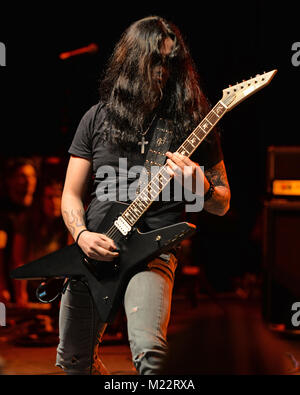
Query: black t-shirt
point(105, 158)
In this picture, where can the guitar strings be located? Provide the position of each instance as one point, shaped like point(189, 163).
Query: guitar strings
point(197, 129)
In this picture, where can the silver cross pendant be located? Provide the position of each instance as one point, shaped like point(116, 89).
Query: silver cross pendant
point(142, 144)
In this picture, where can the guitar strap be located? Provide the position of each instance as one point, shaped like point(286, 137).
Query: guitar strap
point(155, 159)
point(156, 155)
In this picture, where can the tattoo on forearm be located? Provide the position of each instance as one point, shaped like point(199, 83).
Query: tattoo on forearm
point(217, 175)
point(74, 219)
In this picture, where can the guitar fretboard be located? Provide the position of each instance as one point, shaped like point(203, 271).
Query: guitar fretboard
point(160, 180)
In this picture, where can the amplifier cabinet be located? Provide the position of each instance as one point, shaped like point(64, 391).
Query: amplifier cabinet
point(281, 259)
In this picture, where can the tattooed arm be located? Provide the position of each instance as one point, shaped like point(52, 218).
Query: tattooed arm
point(73, 194)
point(179, 165)
point(219, 202)
point(94, 245)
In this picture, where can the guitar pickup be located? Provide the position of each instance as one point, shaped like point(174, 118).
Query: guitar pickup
point(122, 226)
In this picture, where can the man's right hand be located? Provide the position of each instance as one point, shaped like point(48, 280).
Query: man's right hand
point(97, 246)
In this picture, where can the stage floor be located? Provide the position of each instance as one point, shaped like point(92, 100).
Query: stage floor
point(39, 359)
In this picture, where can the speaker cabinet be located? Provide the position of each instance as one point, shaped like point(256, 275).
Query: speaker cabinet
point(283, 163)
point(281, 260)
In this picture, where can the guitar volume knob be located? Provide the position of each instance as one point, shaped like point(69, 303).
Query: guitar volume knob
point(116, 267)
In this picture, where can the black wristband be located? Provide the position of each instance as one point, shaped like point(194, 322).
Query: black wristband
point(210, 191)
point(77, 238)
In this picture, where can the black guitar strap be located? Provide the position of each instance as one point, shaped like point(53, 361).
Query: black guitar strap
point(156, 154)
point(156, 158)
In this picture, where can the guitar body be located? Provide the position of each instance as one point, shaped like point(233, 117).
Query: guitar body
point(107, 280)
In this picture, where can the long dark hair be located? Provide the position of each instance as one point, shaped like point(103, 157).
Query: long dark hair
point(131, 94)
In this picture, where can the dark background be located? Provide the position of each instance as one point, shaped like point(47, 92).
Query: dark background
point(43, 98)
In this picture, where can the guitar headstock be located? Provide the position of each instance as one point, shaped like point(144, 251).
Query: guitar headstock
point(233, 95)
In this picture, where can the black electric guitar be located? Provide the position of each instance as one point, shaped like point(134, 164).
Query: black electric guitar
point(107, 280)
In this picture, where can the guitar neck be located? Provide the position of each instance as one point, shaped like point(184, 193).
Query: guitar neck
point(202, 130)
point(159, 181)
point(232, 96)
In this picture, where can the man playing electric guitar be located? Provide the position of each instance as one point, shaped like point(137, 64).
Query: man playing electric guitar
point(150, 81)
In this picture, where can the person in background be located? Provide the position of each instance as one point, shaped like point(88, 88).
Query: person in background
point(48, 231)
point(16, 208)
